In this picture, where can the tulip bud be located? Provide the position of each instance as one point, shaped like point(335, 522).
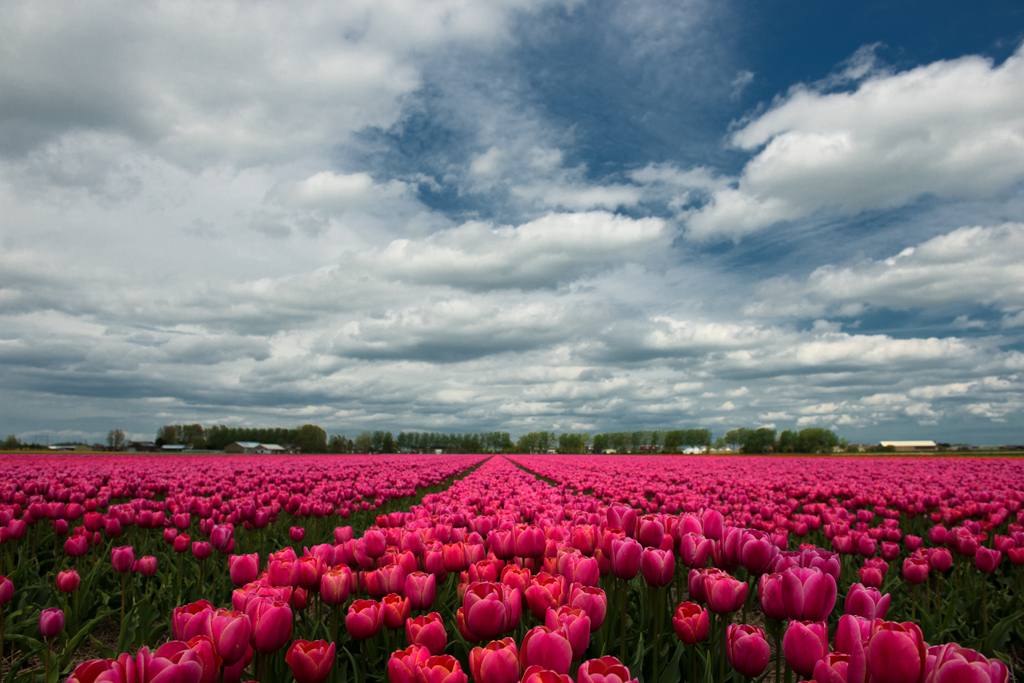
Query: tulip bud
point(747, 649)
point(496, 662)
point(691, 623)
point(51, 622)
point(364, 619)
point(310, 662)
point(147, 565)
point(896, 652)
point(805, 644)
point(68, 581)
point(427, 630)
point(122, 559)
point(404, 664)
point(546, 648)
point(607, 669)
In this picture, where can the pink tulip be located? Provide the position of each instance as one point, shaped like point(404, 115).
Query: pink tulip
point(950, 662)
point(189, 621)
point(866, 602)
point(805, 644)
point(243, 568)
point(769, 593)
point(310, 662)
point(747, 649)
point(987, 560)
point(396, 610)
point(420, 588)
point(591, 600)
point(546, 648)
point(808, 594)
point(625, 558)
point(723, 593)
point(51, 622)
point(364, 619)
point(895, 652)
point(68, 581)
point(657, 566)
point(607, 669)
point(915, 570)
point(545, 592)
point(833, 668)
point(231, 632)
point(170, 663)
point(271, 624)
point(427, 630)
point(496, 662)
point(122, 558)
point(404, 664)
point(441, 669)
point(575, 625)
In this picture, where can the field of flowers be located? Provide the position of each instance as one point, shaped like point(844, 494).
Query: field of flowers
point(541, 569)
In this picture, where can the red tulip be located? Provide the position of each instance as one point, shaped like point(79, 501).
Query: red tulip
point(76, 545)
point(546, 648)
point(441, 669)
point(604, 670)
point(427, 630)
point(490, 609)
point(691, 623)
point(310, 662)
point(206, 654)
point(987, 560)
point(120, 670)
point(574, 623)
point(915, 570)
point(181, 543)
point(404, 664)
point(747, 649)
point(591, 600)
point(189, 621)
point(896, 652)
point(68, 581)
point(496, 662)
point(545, 592)
point(231, 632)
point(364, 620)
point(518, 578)
point(396, 610)
point(805, 644)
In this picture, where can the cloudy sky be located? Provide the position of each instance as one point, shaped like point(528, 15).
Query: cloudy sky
point(464, 215)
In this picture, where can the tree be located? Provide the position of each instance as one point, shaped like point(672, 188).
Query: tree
point(116, 439)
point(816, 440)
point(364, 442)
point(12, 442)
point(311, 439)
point(760, 440)
point(382, 442)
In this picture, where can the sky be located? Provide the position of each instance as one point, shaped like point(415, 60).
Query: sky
point(514, 215)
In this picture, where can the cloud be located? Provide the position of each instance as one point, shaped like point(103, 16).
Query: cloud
point(953, 129)
point(968, 266)
point(553, 249)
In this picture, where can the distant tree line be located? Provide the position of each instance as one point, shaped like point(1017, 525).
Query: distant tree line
point(764, 440)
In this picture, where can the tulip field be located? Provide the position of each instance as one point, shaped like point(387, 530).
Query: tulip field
point(502, 568)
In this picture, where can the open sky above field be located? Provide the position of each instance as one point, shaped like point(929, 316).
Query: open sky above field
point(471, 215)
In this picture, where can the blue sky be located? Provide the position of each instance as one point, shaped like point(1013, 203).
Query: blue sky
point(516, 214)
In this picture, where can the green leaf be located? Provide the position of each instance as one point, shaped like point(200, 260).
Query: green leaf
point(105, 652)
point(76, 641)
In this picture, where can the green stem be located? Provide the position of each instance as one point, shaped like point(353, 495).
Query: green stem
point(655, 594)
point(721, 661)
point(622, 604)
